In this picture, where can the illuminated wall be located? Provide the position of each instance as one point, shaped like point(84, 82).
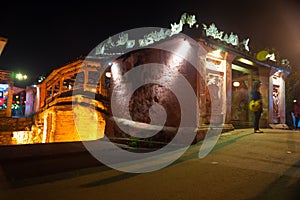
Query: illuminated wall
point(216, 85)
point(232, 76)
point(277, 96)
point(148, 95)
point(55, 117)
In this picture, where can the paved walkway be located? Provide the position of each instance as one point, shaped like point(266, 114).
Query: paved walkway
point(242, 165)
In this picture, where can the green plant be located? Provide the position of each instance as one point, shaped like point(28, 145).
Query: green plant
point(133, 144)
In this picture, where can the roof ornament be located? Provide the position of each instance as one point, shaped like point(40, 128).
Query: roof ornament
point(233, 39)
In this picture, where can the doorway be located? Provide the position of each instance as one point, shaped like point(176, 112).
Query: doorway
point(241, 90)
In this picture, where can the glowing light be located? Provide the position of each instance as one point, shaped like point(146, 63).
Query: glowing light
point(21, 77)
point(22, 137)
point(108, 74)
point(44, 138)
point(236, 84)
point(245, 61)
point(182, 50)
point(87, 115)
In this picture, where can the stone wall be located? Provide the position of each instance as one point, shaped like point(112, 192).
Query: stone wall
point(15, 124)
point(27, 137)
point(157, 65)
point(5, 138)
point(65, 123)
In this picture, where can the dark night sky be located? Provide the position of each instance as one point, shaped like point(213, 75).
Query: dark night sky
point(44, 35)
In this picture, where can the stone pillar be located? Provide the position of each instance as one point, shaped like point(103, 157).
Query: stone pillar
point(282, 99)
point(277, 103)
point(53, 126)
point(42, 98)
point(9, 99)
point(228, 84)
point(201, 96)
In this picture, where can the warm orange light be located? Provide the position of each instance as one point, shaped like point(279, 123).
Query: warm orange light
point(22, 137)
point(90, 124)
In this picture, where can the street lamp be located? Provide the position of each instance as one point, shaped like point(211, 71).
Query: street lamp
point(21, 77)
point(19, 94)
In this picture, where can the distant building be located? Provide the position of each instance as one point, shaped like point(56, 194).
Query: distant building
point(6, 84)
point(6, 93)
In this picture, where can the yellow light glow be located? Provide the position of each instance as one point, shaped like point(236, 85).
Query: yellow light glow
point(19, 76)
point(90, 124)
point(22, 137)
point(245, 61)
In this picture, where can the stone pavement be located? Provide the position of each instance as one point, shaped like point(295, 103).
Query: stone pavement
point(242, 165)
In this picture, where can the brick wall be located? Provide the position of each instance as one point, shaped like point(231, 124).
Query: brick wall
point(15, 124)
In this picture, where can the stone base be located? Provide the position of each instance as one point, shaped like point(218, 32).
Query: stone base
point(279, 126)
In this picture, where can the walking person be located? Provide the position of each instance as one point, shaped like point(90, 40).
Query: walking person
point(256, 96)
point(296, 113)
